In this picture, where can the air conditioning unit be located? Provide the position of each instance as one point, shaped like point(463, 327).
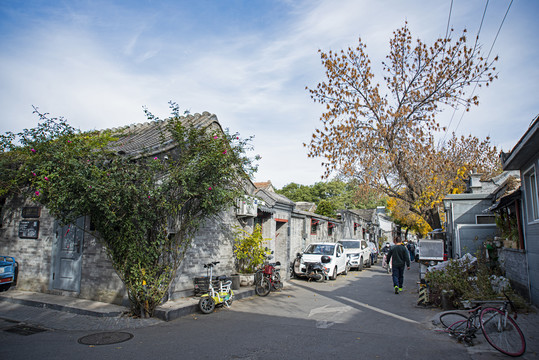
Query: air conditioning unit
point(247, 206)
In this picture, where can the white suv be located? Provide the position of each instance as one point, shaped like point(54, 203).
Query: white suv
point(334, 251)
point(357, 252)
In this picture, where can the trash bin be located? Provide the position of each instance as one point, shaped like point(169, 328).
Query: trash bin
point(235, 281)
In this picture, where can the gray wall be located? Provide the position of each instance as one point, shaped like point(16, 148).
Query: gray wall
point(464, 208)
point(514, 264)
point(99, 281)
point(33, 255)
point(213, 242)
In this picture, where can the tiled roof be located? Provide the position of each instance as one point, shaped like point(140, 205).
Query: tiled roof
point(272, 197)
point(366, 214)
point(263, 185)
point(306, 206)
point(151, 137)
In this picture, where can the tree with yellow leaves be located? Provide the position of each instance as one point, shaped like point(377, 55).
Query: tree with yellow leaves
point(401, 215)
point(386, 138)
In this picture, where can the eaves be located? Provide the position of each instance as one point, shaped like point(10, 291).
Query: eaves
point(524, 151)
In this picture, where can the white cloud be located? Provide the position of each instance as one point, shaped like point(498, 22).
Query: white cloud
point(99, 69)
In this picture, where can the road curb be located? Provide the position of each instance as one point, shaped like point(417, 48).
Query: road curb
point(175, 313)
point(58, 307)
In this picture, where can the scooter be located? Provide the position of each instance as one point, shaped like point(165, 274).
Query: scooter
point(216, 296)
point(313, 270)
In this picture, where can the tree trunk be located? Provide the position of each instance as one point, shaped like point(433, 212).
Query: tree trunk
point(432, 217)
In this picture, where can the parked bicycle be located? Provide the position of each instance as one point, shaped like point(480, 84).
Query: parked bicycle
point(218, 294)
point(499, 329)
point(268, 278)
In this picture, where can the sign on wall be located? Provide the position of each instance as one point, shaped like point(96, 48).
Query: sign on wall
point(31, 212)
point(29, 229)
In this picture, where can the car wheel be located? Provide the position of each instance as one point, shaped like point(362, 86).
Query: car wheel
point(360, 266)
point(334, 274)
point(346, 268)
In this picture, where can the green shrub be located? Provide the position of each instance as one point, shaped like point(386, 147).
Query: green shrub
point(249, 250)
point(464, 279)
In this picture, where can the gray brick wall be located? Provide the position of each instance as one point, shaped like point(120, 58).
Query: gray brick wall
point(33, 255)
point(213, 242)
point(514, 264)
point(99, 280)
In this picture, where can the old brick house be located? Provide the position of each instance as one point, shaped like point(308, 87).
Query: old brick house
point(70, 262)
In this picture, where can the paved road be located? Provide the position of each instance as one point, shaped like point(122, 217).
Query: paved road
point(354, 317)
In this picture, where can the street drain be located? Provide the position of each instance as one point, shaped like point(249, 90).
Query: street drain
point(105, 338)
point(25, 330)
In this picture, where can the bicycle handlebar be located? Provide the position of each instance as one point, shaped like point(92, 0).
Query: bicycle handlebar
point(213, 263)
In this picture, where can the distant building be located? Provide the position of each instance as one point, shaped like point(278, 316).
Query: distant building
point(468, 222)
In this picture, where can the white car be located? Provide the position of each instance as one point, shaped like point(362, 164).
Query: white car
point(357, 252)
point(337, 263)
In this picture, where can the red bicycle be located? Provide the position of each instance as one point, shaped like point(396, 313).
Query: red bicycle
point(268, 278)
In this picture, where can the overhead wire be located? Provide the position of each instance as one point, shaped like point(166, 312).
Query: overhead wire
point(475, 45)
point(446, 33)
point(490, 51)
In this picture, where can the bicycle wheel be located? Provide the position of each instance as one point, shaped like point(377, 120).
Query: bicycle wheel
point(263, 287)
point(502, 333)
point(258, 275)
point(451, 318)
point(277, 284)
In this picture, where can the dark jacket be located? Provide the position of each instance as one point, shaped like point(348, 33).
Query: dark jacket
point(400, 255)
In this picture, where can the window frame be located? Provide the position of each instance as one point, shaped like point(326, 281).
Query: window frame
point(531, 195)
point(330, 228)
point(314, 226)
point(477, 217)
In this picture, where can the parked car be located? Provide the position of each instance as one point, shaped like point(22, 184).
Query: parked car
point(357, 252)
point(337, 263)
point(374, 252)
point(8, 272)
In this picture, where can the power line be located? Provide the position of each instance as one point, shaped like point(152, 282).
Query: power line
point(481, 24)
point(494, 42)
point(448, 19)
point(500, 28)
point(475, 45)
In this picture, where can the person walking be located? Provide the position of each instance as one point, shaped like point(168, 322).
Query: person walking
point(411, 248)
point(401, 257)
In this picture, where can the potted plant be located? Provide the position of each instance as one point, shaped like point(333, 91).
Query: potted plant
point(250, 252)
point(507, 223)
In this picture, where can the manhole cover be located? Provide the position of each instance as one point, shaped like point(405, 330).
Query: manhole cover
point(105, 338)
point(25, 330)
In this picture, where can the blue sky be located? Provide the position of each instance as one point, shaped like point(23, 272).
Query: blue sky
point(97, 63)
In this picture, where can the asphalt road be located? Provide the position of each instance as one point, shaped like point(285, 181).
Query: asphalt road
point(354, 317)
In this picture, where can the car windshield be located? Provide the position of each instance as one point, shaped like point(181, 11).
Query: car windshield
point(350, 244)
point(320, 249)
